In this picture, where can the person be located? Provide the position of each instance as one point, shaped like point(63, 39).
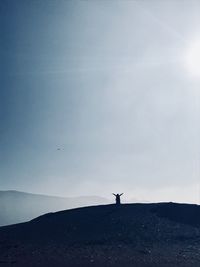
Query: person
point(117, 198)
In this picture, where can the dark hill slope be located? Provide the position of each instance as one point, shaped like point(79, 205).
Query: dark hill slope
point(164, 234)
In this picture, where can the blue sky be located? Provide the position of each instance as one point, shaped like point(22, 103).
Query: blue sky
point(100, 96)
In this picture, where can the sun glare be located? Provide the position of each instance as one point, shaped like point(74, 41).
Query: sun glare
point(192, 59)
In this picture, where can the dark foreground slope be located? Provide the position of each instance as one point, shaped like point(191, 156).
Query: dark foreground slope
point(138, 235)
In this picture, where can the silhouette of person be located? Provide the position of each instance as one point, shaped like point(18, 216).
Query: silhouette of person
point(117, 198)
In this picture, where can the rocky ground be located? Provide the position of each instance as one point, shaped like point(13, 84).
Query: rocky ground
point(137, 235)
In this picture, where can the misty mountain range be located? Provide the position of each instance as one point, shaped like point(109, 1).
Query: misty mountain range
point(16, 207)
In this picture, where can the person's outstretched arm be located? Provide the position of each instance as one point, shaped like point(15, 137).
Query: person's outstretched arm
point(121, 194)
point(114, 194)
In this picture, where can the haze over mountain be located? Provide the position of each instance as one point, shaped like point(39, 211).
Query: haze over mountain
point(139, 235)
point(16, 207)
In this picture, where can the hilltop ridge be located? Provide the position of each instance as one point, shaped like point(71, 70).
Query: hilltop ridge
point(139, 235)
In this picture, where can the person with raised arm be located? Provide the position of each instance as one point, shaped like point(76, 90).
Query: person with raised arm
point(117, 198)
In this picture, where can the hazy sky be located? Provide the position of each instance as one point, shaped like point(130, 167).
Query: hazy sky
point(99, 97)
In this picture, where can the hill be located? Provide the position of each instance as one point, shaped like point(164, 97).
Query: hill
point(16, 207)
point(139, 235)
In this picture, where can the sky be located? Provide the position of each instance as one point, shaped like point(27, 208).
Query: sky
point(99, 97)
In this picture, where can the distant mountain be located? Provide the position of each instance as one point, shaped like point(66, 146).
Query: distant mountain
point(16, 207)
point(139, 235)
